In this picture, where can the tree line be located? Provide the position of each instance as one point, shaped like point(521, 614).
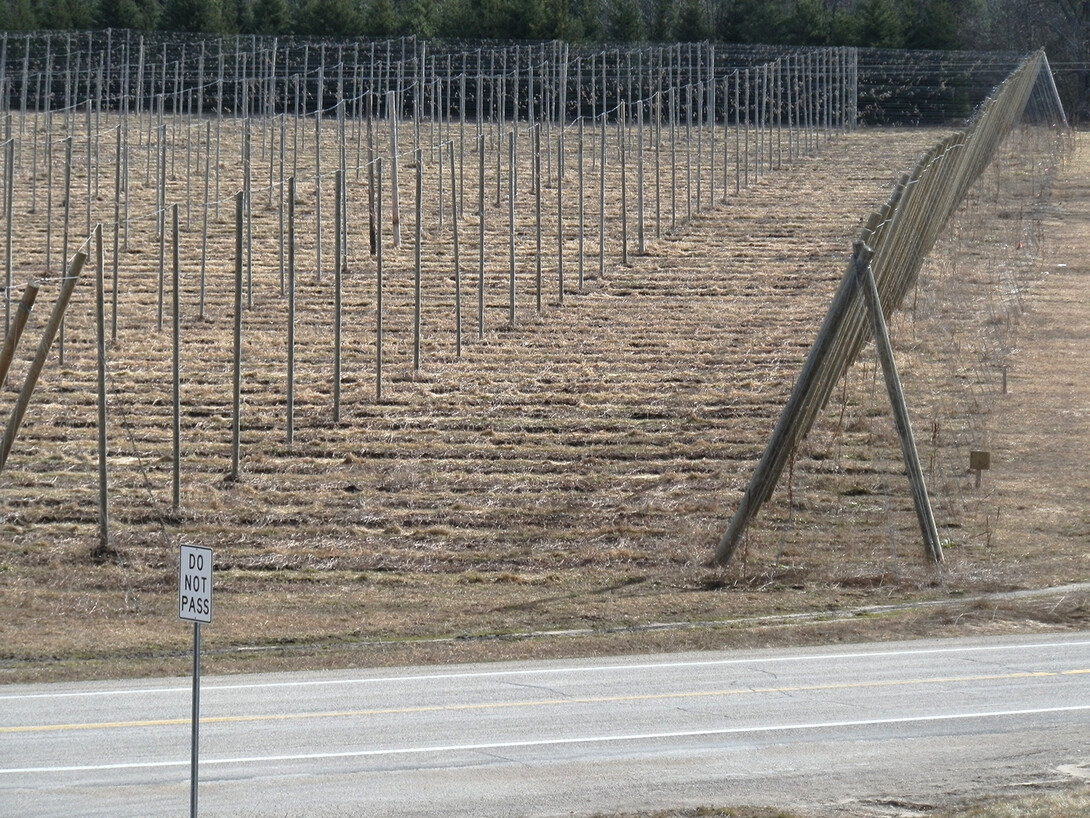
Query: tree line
point(1061, 27)
point(922, 24)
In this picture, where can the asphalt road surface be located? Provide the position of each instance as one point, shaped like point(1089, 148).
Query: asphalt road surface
point(859, 729)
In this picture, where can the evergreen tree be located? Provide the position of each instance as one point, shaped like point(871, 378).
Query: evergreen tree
point(22, 16)
point(271, 17)
point(197, 16)
point(419, 17)
point(750, 21)
point(380, 19)
point(933, 24)
point(692, 25)
point(66, 15)
point(624, 23)
point(879, 25)
point(807, 24)
point(587, 20)
point(238, 16)
point(663, 21)
point(556, 21)
point(137, 14)
point(458, 20)
point(843, 28)
point(328, 17)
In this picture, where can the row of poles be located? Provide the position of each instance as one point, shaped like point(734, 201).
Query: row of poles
point(262, 76)
point(780, 109)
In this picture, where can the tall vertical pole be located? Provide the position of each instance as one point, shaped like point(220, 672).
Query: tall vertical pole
point(338, 284)
point(454, 192)
point(480, 232)
point(9, 187)
point(582, 208)
point(537, 211)
point(511, 224)
point(560, 215)
point(378, 283)
point(176, 413)
point(236, 390)
point(291, 312)
point(100, 339)
point(418, 262)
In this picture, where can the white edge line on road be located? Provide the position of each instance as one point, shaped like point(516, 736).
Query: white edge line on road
point(750, 660)
point(510, 745)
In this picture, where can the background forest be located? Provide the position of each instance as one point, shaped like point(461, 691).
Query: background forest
point(1061, 27)
point(1058, 25)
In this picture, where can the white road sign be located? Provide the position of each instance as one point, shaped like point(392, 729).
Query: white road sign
point(195, 584)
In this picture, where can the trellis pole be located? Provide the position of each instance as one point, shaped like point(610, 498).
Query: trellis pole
point(378, 284)
point(511, 227)
point(395, 214)
point(582, 206)
point(338, 283)
point(537, 212)
point(236, 381)
point(176, 364)
point(418, 274)
point(480, 236)
point(622, 138)
point(290, 409)
point(454, 192)
point(100, 344)
point(560, 215)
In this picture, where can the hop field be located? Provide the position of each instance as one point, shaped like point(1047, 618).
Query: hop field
point(568, 472)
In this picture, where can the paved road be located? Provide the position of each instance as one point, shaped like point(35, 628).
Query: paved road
point(853, 728)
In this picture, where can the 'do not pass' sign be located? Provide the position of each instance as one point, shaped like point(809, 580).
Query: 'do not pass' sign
point(195, 583)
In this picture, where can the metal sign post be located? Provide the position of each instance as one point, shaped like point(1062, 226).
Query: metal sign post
point(195, 605)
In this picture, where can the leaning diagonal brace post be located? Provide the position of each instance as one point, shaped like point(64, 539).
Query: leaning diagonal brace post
point(16, 330)
point(868, 291)
point(38, 364)
point(786, 434)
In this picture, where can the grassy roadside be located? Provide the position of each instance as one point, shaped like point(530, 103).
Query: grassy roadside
point(1069, 803)
point(622, 627)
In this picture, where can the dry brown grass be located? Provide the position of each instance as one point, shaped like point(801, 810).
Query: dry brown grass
point(572, 472)
point(1074, 802)
point(1063, 804)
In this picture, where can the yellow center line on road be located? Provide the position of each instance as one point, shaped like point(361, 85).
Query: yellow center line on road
point(451, 708)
